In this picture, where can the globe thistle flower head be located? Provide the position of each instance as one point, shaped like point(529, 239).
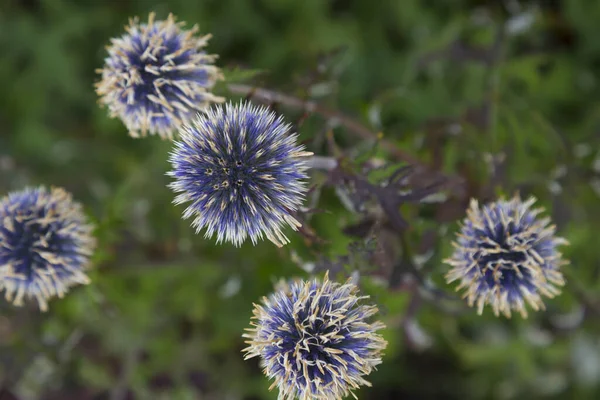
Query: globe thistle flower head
point(507, 257)
point(242, 170)
point(157, 77)
point(315, 340)
point(45, 245)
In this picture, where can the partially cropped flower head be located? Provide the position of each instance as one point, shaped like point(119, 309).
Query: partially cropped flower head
point(507, 257)
point(315, 340)
point(157, 77)
point(242, 170)
point(45, 245)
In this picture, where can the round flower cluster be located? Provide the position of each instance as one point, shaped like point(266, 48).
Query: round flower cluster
point(45, 245)
point(507, 257)
point(242, 170)
point(156, 77)
point(315, 339)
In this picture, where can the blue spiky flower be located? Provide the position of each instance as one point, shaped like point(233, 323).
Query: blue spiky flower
point(242, 170)
point(507, 257)
point(45, 245)
point(315, 340)
point(156, 76)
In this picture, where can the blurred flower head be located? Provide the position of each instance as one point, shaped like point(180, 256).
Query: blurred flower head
point(315, 340)
point(242, 170)
point(156, 76)
point(507, 257)
point(45, 245)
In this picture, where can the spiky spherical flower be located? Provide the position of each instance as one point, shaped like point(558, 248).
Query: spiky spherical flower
point(507, 257)
point(157, 76)
point(315, 340)
point(45, 245)
point(242, 170)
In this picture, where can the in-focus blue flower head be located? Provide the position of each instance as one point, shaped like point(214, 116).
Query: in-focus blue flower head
point(45, 245)
point(243, 172)
point(315, 340)
point(157, 77)
point(507, 257)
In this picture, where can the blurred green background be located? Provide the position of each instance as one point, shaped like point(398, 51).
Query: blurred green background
point(502, 94)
